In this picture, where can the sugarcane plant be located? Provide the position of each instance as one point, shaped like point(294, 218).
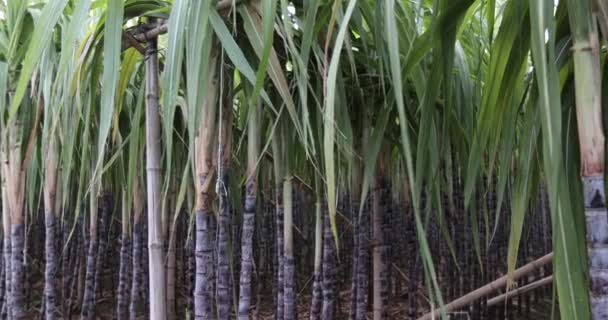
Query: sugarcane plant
point(245, 155)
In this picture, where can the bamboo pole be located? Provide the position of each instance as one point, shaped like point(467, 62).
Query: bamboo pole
point(519, 291)
point(493, 286)
point(158, 306)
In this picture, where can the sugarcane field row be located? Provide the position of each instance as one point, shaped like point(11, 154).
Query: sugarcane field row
point(303, 159)
point(121, 270)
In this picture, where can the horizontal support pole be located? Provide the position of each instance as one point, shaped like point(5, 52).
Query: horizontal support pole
point(156, 29)
point(519, 291)
point(491, 287)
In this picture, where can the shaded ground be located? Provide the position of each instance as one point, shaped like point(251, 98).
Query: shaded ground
point(529, 309)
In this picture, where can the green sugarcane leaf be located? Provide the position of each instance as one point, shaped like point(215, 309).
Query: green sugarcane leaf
point(500, 78)
point(111, 64)
point(70, 39)
point(522, 193)
point(45, 25)
point(183, 187)
point(135, 146)
point(127, 68)
point(235, 53)
point(170, 81)
point(329, 119)
point(17, 11)
point(569, 266)
point(254, 26)
point(199, 60)
point(370, 156)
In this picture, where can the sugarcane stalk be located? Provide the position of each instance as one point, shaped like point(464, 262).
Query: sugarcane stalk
point(380, 267)
point(102, 242)
point(6, 246)
point(253, 151)
point(204, 279)
point(289, 275)
point(169, 230)
point(50, 183)
point(328, 284)
point(122, 298)
point(279, 223)
point(171, 276)
point(88, 307)
point(15, 183)
point(588, 87)
point(6, 243)
point(223, 292)
point(137, 250)
point(315, 306)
